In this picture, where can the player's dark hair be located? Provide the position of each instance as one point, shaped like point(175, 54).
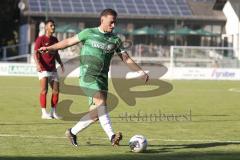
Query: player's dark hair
point(108, 11)
point(48, 21)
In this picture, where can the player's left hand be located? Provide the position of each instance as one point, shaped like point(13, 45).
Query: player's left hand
point(43, 50)
point(145, 77)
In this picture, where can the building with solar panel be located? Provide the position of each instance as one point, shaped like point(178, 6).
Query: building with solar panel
point(153, 24)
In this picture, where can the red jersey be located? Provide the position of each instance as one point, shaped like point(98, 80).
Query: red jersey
point(46, 60)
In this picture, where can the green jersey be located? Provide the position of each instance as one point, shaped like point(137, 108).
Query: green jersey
point(95, 57)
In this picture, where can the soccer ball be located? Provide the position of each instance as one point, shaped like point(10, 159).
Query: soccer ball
point(138, 143)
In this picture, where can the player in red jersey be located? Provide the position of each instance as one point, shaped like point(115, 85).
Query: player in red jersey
point(47, 71)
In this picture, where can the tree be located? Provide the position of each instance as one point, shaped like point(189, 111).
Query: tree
point(9, 22)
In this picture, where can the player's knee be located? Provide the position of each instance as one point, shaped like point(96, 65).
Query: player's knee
point(95, 119)
point(55, 91)
point(93, 113)
point(44, 91)
point(99, 99)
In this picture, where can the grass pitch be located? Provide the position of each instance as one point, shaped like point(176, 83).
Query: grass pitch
point(197, 120)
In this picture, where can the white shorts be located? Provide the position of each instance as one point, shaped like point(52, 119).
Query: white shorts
point(52, 76)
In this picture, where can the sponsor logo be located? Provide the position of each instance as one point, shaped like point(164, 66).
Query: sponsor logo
point(97, 44)
point(109, 47)
point(223, 74)
point(25, 70)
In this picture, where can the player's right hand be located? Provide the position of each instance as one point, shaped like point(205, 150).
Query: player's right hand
point(43, 50)
point(145, 77)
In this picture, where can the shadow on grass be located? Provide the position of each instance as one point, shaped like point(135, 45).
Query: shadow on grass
point(154, 152)
point(180, 146)
point(170, 148)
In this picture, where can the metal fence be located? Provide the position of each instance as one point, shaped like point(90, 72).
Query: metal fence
point(173, 56)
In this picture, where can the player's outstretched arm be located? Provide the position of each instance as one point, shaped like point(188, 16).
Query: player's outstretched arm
point(61, 45)
point(36, 59)
point(133, 65)
point(58, 59)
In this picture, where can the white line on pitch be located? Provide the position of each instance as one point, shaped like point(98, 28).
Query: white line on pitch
point(22, 87)
point(27, 136)
point(165, 140)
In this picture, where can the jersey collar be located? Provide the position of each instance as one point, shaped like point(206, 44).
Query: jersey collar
point(99, 29)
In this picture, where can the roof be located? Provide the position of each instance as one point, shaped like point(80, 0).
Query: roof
point(205, 10)
point(127, 9)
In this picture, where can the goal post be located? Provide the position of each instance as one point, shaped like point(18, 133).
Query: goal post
point(204, 57)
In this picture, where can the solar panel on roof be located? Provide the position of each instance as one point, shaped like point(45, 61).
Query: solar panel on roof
point(34, 9)
point(139, 7)
point(108, 2)
point(152, 9)
point(98, 6)
point(142, 9)
point(120, 7)
point(77, 4)
point(54, 3)
point(184, 8)
point(170, 2)
point(109, 5)
point(89, 9)
point(33, 2)
point(42, 5)
point(67, 7)
point(54, 6)
point(159, 1)
point(88, 6)
point(75, 1)
point(180, 1)
point(186, 13)
point(77, 9)
point(165, 13)
point(208, 1)
point(33, 5)
point(139, 2)
point(132, 10)
point(56, 9)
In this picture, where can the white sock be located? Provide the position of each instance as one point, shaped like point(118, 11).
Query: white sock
point(84, 122)
point(105, 121)
point(53, 110)
point(44, 111)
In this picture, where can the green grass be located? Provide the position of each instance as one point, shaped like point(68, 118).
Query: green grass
point(213, 132)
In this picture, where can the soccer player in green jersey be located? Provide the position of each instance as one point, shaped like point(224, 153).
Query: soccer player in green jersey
point(99, 45)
